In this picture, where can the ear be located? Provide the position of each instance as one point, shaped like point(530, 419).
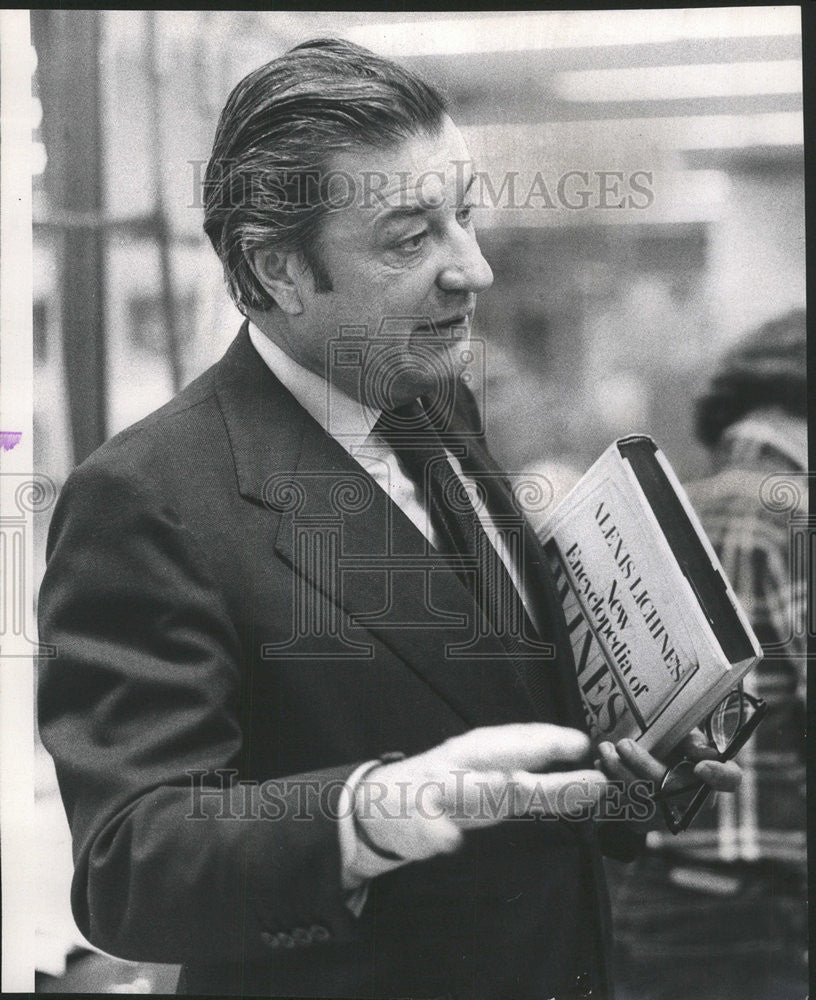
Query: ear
point(279, 274)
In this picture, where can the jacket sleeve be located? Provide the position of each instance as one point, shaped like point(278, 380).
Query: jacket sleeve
point(174, 859)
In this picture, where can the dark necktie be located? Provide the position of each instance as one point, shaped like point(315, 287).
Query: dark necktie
point(421, 452)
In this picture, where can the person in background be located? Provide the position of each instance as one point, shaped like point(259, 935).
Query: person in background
point(723, 912)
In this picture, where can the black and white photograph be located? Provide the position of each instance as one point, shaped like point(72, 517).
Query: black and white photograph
point(404, 477)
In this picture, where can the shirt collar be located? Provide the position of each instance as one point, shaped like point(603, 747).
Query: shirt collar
point(345, 418)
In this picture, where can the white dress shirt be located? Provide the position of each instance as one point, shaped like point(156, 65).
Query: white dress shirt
point(350, 422)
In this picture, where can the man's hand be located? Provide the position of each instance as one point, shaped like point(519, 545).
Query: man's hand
point(627, 761)
point(419, 807)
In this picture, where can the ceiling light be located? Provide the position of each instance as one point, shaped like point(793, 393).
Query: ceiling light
point(571, 29)
point(664, 83)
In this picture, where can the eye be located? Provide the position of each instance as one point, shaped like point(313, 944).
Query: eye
point(465, 215)
point(412, 243)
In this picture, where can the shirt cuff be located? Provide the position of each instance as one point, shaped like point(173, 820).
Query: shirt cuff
point(358, 863)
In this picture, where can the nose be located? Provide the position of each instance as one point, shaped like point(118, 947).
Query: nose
point(465, 269)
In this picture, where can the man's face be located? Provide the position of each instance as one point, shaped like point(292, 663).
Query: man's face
point(404, 267)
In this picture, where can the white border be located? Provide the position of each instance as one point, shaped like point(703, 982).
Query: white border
point(16, 414)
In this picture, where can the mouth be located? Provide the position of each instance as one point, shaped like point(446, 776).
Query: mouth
point(446, 325)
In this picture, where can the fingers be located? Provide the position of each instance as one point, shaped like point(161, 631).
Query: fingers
point(696, 747)
point(610, 763)
point(533, 746)
point(420, 807)
point(722, 777)
point(639, 761)
point(565, 794)
point(484, 798)
point(572, 793)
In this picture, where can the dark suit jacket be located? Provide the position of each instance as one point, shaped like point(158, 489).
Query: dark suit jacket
point(185, 559)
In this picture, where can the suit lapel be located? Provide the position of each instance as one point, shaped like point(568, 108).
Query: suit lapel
point(341, 533)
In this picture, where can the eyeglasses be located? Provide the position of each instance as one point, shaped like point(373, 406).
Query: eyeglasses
point(728, 728)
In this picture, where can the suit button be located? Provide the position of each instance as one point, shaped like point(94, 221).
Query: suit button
point(270, 940)
point(319, 933)
point(286, 940)
point(301, 936)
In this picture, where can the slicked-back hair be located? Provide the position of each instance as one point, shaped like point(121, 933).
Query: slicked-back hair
point(265, 187)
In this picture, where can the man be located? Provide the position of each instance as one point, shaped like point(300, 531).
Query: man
point(275, 581)
point(742, 871)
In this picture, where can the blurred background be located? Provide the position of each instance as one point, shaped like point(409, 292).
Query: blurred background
point(647, 207)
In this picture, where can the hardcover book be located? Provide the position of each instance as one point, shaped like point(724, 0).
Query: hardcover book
point(658, 634)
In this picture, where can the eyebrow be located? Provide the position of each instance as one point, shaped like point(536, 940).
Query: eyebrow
point(397, 215)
